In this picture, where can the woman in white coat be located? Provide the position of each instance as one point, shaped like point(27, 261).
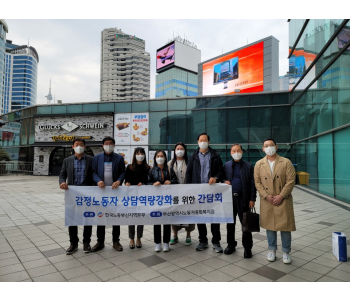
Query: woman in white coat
point(179, 164)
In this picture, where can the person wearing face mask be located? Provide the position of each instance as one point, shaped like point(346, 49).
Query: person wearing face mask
point(108, 170)
point(77, 170)
point(137, 174)
point(158, 175)
point(240, 175)
point(179, 164)
point(205, 166)
point(274, 178)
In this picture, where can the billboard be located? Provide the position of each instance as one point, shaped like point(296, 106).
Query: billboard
point(165, 56)
point(186, 58)
point(239, 70)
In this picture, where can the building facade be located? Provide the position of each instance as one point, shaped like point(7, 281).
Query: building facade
point(176, 82)
point(125, 67)
point(3, 32)
point(320, 103)
point(20, 80)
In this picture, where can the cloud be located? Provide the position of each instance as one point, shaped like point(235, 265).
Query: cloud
point(69, 50)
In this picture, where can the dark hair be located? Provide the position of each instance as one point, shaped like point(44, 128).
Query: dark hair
point(79, 140)
point(155, 161)
point(175, 157)
point(204, 133)
point(237, 145)
point(134, 160)
point(108, 138)
point(270, 140)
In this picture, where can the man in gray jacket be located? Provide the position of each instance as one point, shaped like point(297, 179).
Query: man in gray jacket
point(77, 170)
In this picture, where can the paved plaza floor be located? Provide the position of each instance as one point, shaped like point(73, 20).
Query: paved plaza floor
point(33, 240)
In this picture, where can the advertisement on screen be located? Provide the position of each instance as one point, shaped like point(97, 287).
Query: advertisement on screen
point(166, 56)
point(241, 70)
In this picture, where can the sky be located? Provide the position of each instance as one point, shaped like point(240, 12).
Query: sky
point(69, 50)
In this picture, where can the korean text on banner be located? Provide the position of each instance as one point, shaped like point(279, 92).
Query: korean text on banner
point(149, 205)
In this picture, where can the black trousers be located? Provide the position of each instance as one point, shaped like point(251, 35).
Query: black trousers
point(73, 234)
point(247, 238)
point(101, 232)
point(157, 231)
point(132, 231)
point(215, 231)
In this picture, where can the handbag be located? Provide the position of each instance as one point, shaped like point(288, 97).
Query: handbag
point(251, 221)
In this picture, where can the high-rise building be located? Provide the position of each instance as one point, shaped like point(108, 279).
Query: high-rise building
point(20, 81)
point(125, 66)
point(177, 68)
point(3, 31)
point(284, 82)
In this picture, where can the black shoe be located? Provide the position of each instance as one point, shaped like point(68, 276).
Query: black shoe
point(139, 246)
point(229, 249)
point(72, 248)
point(87, 248)
point(97, 247)
point(247, 253)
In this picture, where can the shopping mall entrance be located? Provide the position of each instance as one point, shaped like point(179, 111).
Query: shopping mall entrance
point(58, 155)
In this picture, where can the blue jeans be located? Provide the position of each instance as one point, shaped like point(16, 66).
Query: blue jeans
point(286, 237)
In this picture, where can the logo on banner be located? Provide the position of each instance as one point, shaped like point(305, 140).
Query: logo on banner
point(89, 214)
point(155, 214)
point(100, 214)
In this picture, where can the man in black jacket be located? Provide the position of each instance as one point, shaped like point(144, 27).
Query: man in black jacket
point(240, 175)
point(77, 170)
point(205, 166)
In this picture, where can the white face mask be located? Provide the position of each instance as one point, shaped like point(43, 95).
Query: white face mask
point(180, 153)
point(140, 157)
point(236, 156)
point(160, 160)
point(79, 149)
point(108, 148)
point(203, 145)
point(270, 150)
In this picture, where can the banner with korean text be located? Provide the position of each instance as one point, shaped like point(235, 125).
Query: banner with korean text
point(149, 205)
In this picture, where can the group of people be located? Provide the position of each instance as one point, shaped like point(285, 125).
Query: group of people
point(273, 177)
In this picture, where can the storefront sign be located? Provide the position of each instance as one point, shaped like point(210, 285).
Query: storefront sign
point(149, 205)
point(71, 126)
point(67, 128)
point(69, 138)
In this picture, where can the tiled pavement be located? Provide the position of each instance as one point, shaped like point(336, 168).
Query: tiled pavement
point(33, 240)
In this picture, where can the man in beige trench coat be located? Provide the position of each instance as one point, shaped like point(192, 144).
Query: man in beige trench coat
point(275, 179)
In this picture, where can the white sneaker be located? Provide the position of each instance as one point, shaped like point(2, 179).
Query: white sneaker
point(158, 248)
point(166, 247)
point(286, 258)
point(271, 256)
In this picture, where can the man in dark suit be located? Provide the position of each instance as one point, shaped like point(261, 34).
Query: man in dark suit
point(77, 170)
point(205, 166)
point(240, 175)
point(108, 170)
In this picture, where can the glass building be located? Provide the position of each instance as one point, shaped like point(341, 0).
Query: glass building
point(176, 82)
point(319, 60)
point(3, 31)
point(310, 123)
point(20, 80)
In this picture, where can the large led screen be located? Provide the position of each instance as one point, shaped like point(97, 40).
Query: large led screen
point(240, 70)
point(166, 56)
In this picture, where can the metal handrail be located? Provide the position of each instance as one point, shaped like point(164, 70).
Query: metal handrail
point(16, 167)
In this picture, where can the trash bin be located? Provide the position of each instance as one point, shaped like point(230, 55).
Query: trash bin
point(304, 178)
